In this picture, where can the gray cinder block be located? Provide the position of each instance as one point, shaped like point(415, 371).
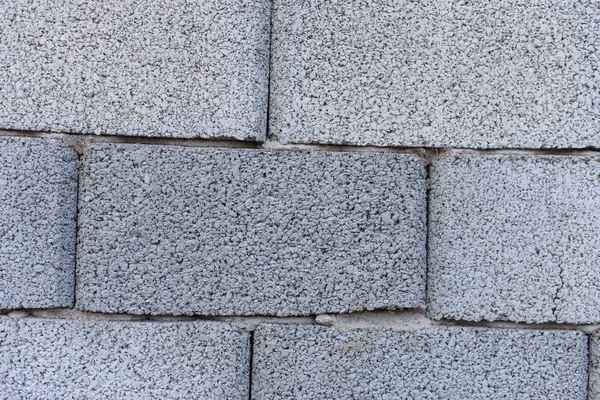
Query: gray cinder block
point(312, 362)
point(181, 230)
point(515, 238)
point(54, 359)
point(38, 206)
point(485, 74)
point(167, 68)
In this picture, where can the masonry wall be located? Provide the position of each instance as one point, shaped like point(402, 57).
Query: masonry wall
point(311, 199)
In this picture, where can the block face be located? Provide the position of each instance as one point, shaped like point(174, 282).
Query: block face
point(38, 208)
point(488, 74)
point(180, 230)
point(452, 363)
point(514, 238)
point(135, 360)
point(143, 68)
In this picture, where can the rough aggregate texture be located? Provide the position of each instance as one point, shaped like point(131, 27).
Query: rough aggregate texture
point(170, 68)
point(452, 73)
point(311, 362)
point(515, 238)
point(54, 359)
point(38, 206)
point(179, 230)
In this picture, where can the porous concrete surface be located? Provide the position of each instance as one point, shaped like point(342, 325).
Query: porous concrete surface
point(54, 359)
point(38, 206)
point(311, 362)
point(168, 68)
point(486, 74)
point(182, 230)
point(514, 237)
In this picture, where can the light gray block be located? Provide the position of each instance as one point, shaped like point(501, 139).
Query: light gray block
point(515, 238)
point(54, 359)
point(312, 362)
point(169, 68)
point(38, 207)
point(181, 230)
point(484, 74)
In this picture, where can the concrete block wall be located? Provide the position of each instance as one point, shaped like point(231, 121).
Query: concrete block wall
point(253, 199)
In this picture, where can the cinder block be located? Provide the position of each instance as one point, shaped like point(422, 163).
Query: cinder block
point(169, 68)
point(54, 359)
point(313, 362)
point(183, 230)
point(38, 207)
point(484, 74)
point(515, 238)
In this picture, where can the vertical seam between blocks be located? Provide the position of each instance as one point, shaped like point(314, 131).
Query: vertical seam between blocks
point(80, 170)
point(588, 366)
point(251, 365)
point(427, 230)
point(269, 69)
point(80, 160)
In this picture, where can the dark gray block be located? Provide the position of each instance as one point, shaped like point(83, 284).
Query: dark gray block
point(54, 359)
point(38, 206)
point(311, 362)
point(485, 74)
point(180, 230)
point(168, 68)
point(515, 238)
